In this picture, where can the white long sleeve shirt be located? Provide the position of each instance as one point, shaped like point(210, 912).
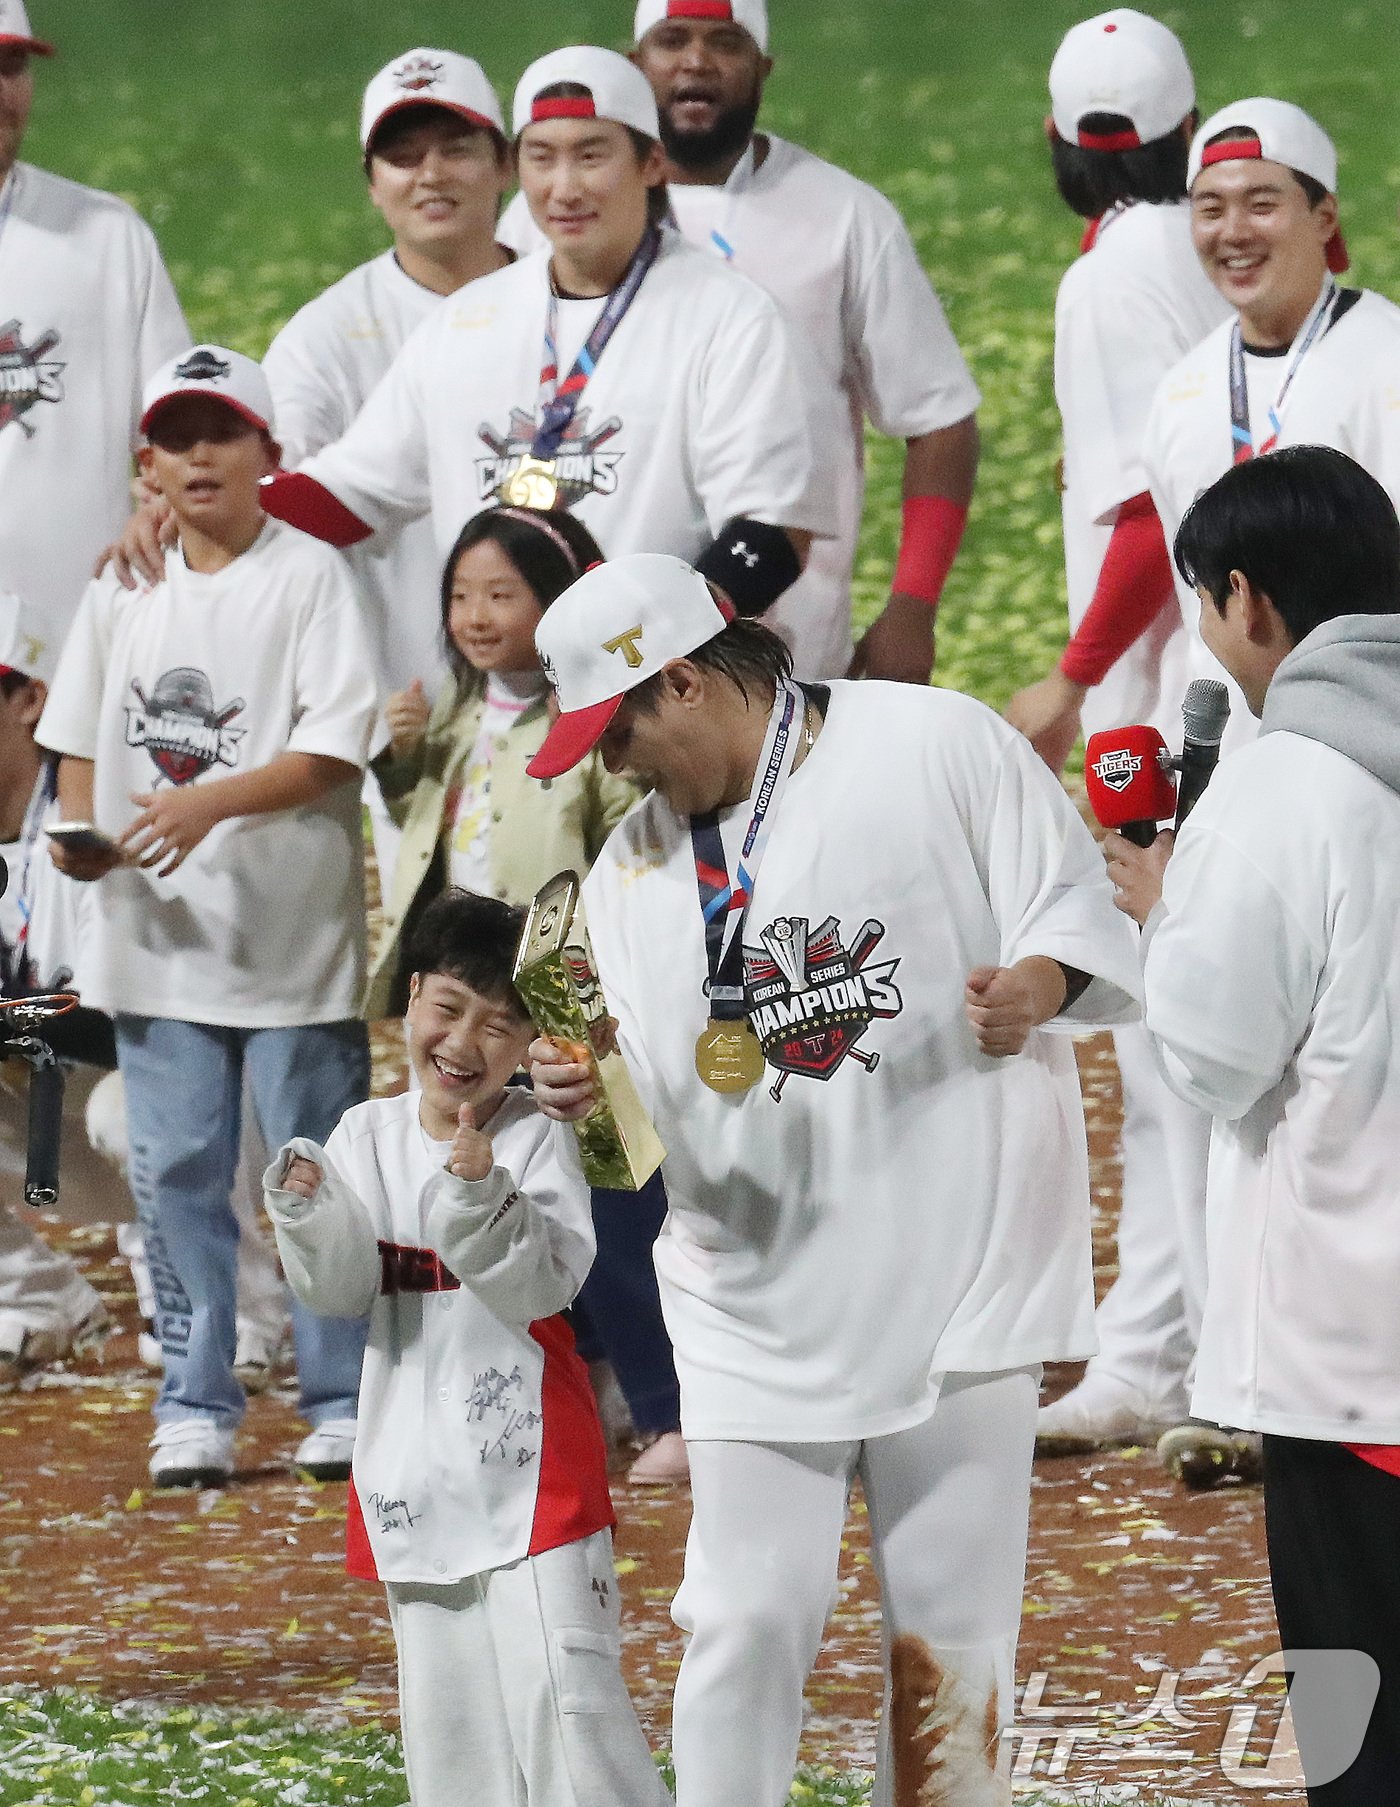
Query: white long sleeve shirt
point(478, 1439)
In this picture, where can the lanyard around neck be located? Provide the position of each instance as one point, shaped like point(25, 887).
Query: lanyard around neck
point(558, 402)
point(724, 896)
point(1315, 328)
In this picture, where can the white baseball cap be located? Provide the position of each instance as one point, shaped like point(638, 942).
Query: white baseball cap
point(25, 645)
point(751, 14)
point(1281, 133)
point(435, 78)
point(617, 90)
point(612, 630)
point(15, 32)
point(1120, 62)
point(211, 370)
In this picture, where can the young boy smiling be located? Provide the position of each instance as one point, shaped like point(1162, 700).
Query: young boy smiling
point(214, 727)
point(458, 1217)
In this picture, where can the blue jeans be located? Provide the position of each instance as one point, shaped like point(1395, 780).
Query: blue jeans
point(184, 1084)
point(618, 1309)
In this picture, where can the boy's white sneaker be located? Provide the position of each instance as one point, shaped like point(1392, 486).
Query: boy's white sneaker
point(1103, 1412)
point(192, 1452)
point(325, 1455)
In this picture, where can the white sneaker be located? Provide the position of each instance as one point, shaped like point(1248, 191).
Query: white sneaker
point(23, 1350)
point(325, 1454)
point(192, 1452)
point(1102, 1412)
point(256, 1359)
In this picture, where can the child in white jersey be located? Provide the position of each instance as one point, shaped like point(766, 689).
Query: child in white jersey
point(458, 1217)
point(214, 728)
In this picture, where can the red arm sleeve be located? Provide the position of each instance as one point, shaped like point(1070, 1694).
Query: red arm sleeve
point(1134, 584)
point(302, 502)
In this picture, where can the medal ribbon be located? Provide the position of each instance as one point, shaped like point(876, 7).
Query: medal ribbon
point(558, 402)
point(725, 899)
point(1318, 325)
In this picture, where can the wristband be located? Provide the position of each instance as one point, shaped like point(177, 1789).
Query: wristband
point(928, 544)
point(753, 562)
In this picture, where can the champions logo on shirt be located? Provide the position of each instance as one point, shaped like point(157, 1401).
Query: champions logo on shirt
point(27, 376)
point(809, 998)
point(580, 469)
point(180, 728)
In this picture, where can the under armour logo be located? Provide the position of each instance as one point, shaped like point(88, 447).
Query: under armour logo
point(627, 645)
point(740, 550)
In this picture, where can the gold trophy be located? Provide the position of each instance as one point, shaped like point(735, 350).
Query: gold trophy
point(558, 983)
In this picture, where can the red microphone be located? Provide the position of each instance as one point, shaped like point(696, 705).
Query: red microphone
point(1127, 772)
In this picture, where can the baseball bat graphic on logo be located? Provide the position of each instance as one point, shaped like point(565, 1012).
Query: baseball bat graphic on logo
point(219, 720)
point(868, 938)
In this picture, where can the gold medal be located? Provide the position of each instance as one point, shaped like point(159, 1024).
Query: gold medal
point(728, 1056)
point(533, 483)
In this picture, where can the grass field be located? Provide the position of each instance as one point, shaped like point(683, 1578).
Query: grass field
point(232, 128)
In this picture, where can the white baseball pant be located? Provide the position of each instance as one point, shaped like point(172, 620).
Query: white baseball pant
point(511, 1691)
point(1150, 1320)
point(949, 1505)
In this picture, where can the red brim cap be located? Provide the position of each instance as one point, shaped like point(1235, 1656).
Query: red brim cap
point(35, 46)
point(254, 420)
point(572, 738)
point(443, 106)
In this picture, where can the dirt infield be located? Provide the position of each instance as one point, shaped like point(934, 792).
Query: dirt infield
point(239, 1597)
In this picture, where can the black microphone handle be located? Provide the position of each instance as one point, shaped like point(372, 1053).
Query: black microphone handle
point(45, 1128)
point(1141, 834)
point(1198, 760)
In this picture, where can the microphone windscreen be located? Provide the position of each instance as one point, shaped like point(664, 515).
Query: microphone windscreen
point(1127, 777)
point(1205, 709)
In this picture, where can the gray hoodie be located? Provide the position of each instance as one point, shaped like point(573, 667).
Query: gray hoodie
point(1341, 686)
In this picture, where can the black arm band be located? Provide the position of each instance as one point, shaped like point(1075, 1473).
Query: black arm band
point(752, 563)
point(1076, 983)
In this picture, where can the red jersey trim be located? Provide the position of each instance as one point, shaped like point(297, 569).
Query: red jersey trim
point(572, 1499)
point(359, 1552)
point(1379, 1455)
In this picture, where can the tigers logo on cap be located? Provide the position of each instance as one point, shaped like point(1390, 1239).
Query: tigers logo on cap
point(435, 78)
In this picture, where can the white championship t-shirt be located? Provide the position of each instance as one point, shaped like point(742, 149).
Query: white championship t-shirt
point(321, 367)
point(1126, 311)
point(1346, 394)
point(887, 1204)
point(88, 314)
point(873, 342)
point(205, 676)
point(694, 414)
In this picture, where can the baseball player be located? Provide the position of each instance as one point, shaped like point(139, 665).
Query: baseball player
point(458, 1218)
point(834, 938)
point(437, 163)
point(1123, 110)
point(876, 346)
point(89, 314)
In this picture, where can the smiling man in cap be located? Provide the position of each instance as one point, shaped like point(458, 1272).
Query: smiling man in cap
point(836, 256)
point(828, 935)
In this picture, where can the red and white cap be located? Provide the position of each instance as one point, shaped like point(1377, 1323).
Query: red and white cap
point(617, 90)
point(751, 14)
point(1120, 62)
point(15, 33)
point(434, 78)
point(612, 630)
point(211, 370)
point(25, 646)
point(1278, 132)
